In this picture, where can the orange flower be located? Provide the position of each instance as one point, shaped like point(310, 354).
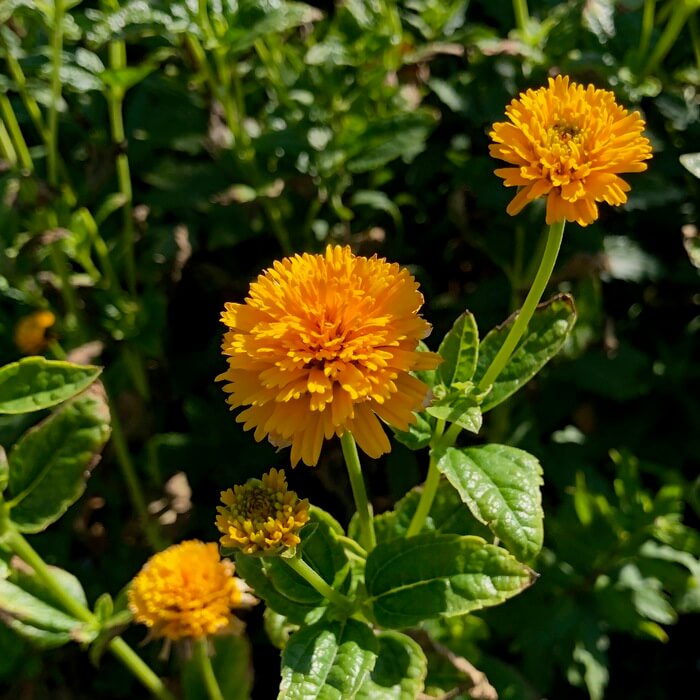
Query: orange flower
point(187, 591)
point(30, 331)
point(569, 144)
point(262, 516)
point(323, 345)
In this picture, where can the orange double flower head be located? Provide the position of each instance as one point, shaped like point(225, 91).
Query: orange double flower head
point(569, 144)
point(325, 344)
point(188, 592)
point(262, 517)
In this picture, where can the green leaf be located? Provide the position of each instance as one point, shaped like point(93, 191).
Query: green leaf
point(329, 660)
point(418, 434)
point(231, 662)
point(383, 140)
point(691, 162)
point(433, 575)
point(460, 351)
point(256, 19)
point(501, 486)
point(550, 326)
point(284, 590)
point(34, 383)
point(50, 463)
point(278, 628)
point(399, 672)
point(29, 609)
point(461, 405)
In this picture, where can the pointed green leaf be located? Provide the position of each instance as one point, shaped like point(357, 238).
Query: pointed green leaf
point(460, 350)
point(501, 486)
point(434, 575)
point(399, 672)
point(34, 383)
point(50, 463)
point(549, 328)
point(328, 660)
point(232, 668)
point(283, 589)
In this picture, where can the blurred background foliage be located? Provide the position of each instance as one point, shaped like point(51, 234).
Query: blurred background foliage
point(155, 156)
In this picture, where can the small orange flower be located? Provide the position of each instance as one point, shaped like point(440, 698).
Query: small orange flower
point(262, 517)
point(187, 591)
point(569, 144)
point(30, 331)
point(325, 344)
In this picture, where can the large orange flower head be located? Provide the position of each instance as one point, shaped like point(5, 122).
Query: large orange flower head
point(188, 591)
point(323, 345)
point(569, 143)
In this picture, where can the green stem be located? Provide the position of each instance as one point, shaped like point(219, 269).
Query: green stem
point(432, 480)
point(6, 147)
point(647, 27)
point(357, 483)
point(133, 484)
point(673, 28)
point(522, 16)
point(695, 37)
point(60, 266)
point(544, 272)
point(426, 498)
point(56, 50)
point(298, 565)
point(8, 116)
point(203, 661)
point(20, 80)
point(115, 101)
point(117, 646)
point(350, 544)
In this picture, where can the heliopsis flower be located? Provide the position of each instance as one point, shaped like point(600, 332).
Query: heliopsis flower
point(569, 143)
point(188, 591)
point(262, 517)
point(30, 331)
point(323, 345)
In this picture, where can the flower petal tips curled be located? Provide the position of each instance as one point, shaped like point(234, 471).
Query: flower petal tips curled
point(187, 591)
point(569, 143)
point(262, 517)
point(323, 345)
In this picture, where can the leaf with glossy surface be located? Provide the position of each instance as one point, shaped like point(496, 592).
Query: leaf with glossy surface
point(501, 486)
point(460, 351)
point(328, 660)
point(50, 463)
point(434, 575)
point(399, 672)
point(34, 383)
point(548, 329)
